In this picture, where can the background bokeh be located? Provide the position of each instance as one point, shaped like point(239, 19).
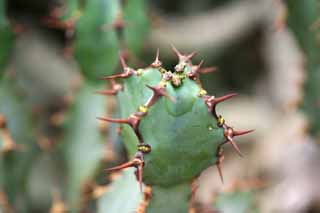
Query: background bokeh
point(54, 151)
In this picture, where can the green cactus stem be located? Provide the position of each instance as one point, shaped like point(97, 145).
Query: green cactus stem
point(96, 43)
point(170, 128)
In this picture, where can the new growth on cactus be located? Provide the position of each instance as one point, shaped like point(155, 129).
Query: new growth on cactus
point(170, 127)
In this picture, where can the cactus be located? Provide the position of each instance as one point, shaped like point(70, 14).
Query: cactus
point(303, 19)
point(83, 146)
point(170, 128)
point(96, 46)
point(6, 37)
point(17, 144)
point(102, 28)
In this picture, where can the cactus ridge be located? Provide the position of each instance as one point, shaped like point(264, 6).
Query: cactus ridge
point(184, 97)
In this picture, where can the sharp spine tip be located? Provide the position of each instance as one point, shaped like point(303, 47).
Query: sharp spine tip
point(224, 98)
point(234, 145)
point(123, 61)
point(114, 120)
point(191, 55)
point(238, 133)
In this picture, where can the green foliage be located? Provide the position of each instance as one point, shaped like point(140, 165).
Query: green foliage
point(6, 37)
point(304, 19)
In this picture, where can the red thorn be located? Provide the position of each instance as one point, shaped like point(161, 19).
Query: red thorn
point(207, 70)
point(157, 92)
point(238, 133)
point(200, 64)
point(157, 62)
point(219, 162)
point(235, 146)
point(191, 55)
point(122, 166)
point(176, 52)
point(220, 171)
point(223, 98)
point(121, 75)
point(123, 62)
point(113, 120)
point(157, 54)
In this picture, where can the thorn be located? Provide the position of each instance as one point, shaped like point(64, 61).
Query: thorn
point(115, 89)
point(136, 162)
point(220, 172)
point(208, 70)
point(229, 133)
point(220, 157)
point(176, 52)
point(238, 133)
point(223, 98)
point(194, 73)
point(127, 71)
point(235, 146)
point(157, 92)
point(107, 92)
point(122, 166)
point(191, 55)
point(157, 54)
point(196, 69)
point(157, 63)
point(182, 57)
point(123, 62)
point(114, 120)
point(121, 75)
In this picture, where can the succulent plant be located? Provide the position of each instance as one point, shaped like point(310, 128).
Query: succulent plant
point(170, 128)
point(303, 19)
point(98, 29)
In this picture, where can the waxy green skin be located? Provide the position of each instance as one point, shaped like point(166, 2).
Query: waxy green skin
point(96, 45)
point(183, 135)
point(171, 131)
point(104, 28)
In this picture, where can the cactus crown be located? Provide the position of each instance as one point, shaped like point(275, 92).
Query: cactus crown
point(171, 128)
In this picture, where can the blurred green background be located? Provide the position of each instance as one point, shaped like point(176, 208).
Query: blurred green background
point(53, 150)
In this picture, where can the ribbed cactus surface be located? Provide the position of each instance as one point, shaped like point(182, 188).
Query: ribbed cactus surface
point(170, 128)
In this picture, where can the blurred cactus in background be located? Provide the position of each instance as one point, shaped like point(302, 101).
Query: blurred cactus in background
point(60, 71)
point(304, 21)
